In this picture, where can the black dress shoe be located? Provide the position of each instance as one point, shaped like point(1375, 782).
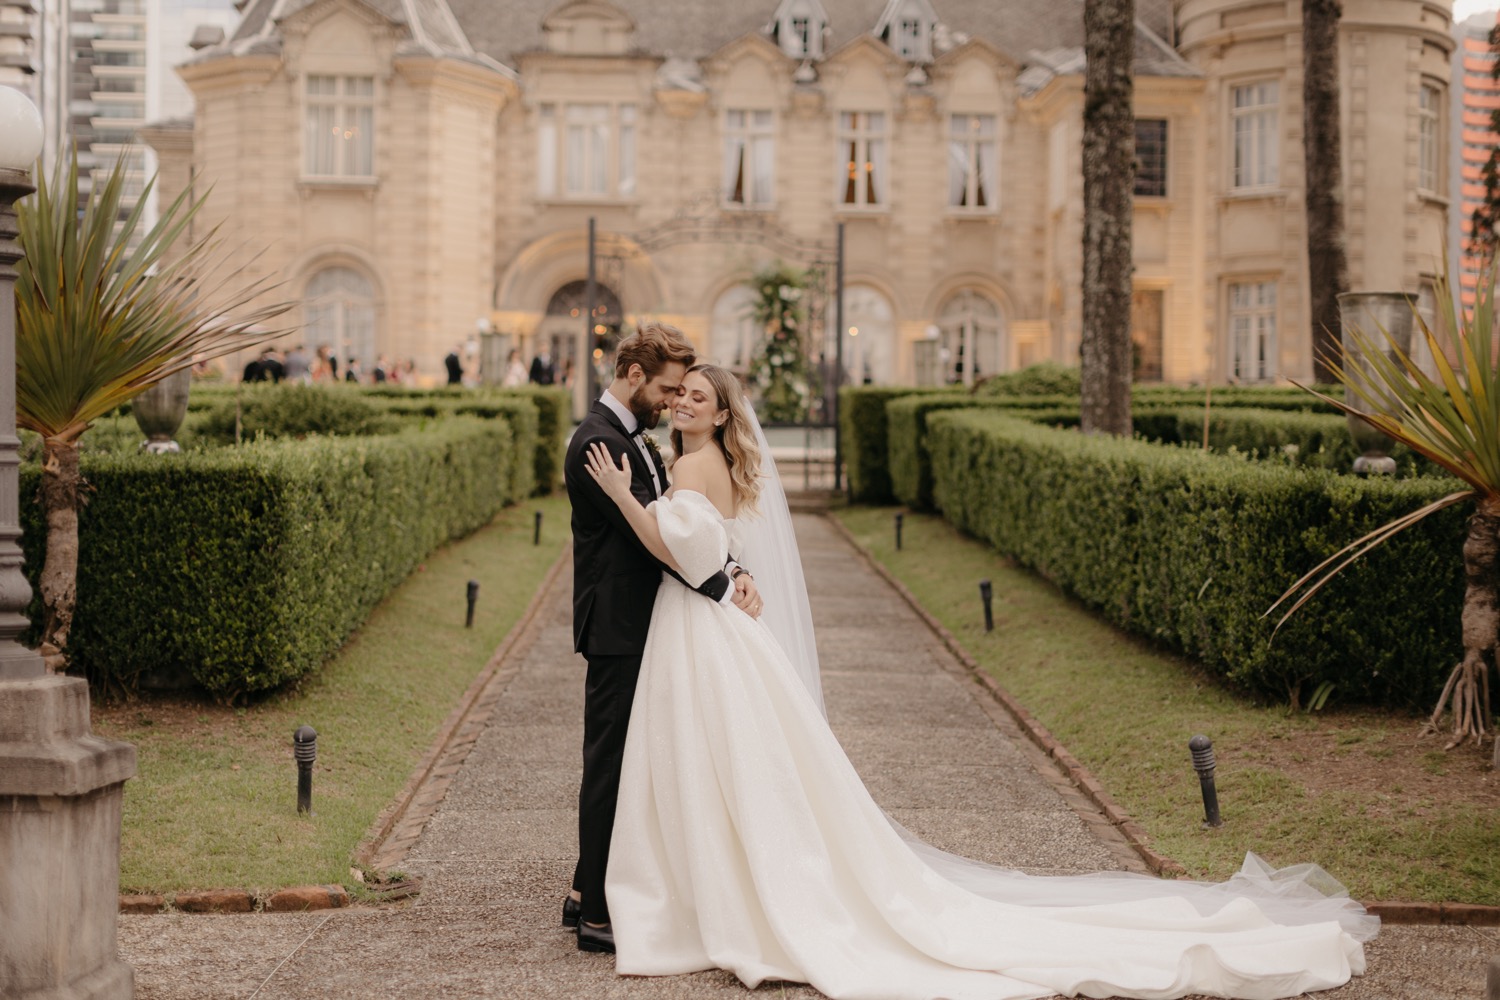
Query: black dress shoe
point(591, 938)
point(572, 910)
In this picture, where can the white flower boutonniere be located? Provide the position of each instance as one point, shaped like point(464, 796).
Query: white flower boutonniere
point(652, 443)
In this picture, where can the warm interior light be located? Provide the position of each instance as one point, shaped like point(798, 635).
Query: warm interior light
point(854, 331)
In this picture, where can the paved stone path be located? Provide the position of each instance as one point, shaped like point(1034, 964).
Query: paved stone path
point(497, 855)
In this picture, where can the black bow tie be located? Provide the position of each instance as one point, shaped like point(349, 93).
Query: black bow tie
point(637, 432)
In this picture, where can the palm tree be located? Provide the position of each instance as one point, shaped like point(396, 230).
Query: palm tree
point(1453, 420)
point(1327, 261)
point(101, 314)
point(1108, 208)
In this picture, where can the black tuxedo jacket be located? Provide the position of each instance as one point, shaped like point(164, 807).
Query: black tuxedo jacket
point(614, 576)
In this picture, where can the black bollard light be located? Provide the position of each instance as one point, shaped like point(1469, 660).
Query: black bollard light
point(1203, 762)
point(986, 594)
point(473, 597)
point(305, 749)
point(536, 533)
point(899, 518)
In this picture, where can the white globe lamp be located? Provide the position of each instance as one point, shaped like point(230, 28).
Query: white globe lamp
point(20, 130)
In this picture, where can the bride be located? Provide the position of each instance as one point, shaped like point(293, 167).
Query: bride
point(744, 840)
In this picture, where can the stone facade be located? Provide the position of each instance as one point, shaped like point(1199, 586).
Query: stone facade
point(475, 140)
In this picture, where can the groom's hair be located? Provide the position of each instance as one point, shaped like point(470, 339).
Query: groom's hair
point(653, 346)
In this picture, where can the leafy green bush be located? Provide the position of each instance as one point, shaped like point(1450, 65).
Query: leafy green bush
point(287, 410)
point(244, 568)
point(1046, 378)
point(862, 435)
point(1190, 548)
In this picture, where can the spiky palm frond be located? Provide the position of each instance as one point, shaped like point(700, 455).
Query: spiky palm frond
point(100, 319)
point(1452, 419)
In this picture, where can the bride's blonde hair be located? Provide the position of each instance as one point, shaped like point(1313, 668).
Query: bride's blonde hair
point(735, 437)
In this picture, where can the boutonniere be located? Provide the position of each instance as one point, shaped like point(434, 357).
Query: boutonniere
point(652, 443)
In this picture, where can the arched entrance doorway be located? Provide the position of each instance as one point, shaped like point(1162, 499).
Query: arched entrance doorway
point(565, 333)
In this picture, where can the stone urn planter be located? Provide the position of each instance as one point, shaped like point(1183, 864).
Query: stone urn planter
point(1385, 318)
point(160, 410)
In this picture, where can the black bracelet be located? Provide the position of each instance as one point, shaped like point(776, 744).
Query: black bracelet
point(738, 570)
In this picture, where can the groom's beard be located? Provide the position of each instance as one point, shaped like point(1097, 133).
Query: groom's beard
point(646, 413)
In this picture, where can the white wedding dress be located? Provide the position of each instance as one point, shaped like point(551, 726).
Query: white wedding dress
point(744, 840)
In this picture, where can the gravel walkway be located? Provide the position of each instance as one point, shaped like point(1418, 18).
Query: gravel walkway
point(497, 855)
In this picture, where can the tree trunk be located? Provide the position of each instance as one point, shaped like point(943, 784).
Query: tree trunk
point(59, 582)
point(1108, 192)
point(1327, 264)
point(1468, 689)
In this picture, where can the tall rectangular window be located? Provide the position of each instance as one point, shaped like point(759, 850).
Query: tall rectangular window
point(625, 162)
point(1150, 157)
point(973, 163)
point(749, 158)
point(1252, 330)
point(339, 128)
point(546, 151)
point(1429, 138)
point(1253, 115)
point(862, 158)
point(586, 150)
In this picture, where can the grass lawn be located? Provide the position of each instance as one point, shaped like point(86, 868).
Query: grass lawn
point(213, 803)
point(1352, 789)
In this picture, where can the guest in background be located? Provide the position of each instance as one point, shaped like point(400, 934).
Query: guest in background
point(455, 367)
point(298, 366)
point(515, 370)
point(266, 368)
point(543, 371)
point(352, 372)
point(382, 369)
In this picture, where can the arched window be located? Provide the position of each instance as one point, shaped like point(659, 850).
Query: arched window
point(972, 337)
point(869, 336)
point(338, 311)
point(733, 335)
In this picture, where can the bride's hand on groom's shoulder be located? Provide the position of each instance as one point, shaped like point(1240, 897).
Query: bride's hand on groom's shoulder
point(613, 479)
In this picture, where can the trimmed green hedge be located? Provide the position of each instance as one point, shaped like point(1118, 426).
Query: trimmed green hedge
point(910, 462)
point(554, 413)
point(862, 433)
point(289, 410)
point(1190, 548)
point(244, 568)
point(519, 412)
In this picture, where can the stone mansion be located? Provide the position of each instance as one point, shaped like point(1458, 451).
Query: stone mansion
point(423, 171)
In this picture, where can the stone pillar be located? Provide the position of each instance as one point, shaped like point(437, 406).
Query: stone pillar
point(60, 786)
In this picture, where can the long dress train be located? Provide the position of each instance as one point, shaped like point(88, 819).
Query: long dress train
point(744, 840)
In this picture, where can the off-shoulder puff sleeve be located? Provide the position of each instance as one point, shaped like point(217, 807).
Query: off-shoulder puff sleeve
point(693, 532)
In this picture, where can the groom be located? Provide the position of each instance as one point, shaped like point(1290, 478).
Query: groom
point(614, 588)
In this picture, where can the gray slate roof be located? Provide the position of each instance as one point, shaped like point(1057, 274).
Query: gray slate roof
point(1033, 33)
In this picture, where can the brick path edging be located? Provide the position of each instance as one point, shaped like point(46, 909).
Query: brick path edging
point(1393, 912)
point(293, 900)
point(401, 821)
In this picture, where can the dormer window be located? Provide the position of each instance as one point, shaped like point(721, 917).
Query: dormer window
point(906, 26)
point(798, 28)
point(909, 41)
